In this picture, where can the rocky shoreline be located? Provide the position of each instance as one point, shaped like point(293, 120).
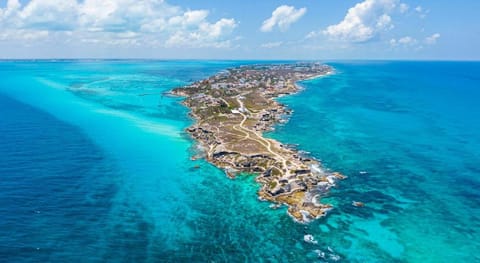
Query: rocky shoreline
point(232, 109)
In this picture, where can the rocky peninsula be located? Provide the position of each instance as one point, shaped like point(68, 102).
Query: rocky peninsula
point(233, 108)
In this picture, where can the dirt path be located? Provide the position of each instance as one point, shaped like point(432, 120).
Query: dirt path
point(266, 143)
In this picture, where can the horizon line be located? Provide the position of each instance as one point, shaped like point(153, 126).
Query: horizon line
point(232, 59)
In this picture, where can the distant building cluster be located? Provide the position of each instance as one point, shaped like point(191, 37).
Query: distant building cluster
point(267, 79)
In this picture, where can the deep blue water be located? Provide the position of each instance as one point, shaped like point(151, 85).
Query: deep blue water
point(94, 166)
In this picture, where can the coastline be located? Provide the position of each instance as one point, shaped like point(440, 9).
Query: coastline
point(231, 111)
point(321, 75)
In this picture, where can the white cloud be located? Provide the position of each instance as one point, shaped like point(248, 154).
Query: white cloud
point(23, 35)
point(363, 21)
point(116, 21)
point(311, 34)
point(410, 42)
point(206, 35)
point(9, 13)
point(407, 40)
point(12, 6)
point(189, 18)
point(422, 12)
point(404, 8)
point(430, 40)
point(283, 16)
point(384, 21)
point(272, 44)
point(123, 15)
point(49, 15)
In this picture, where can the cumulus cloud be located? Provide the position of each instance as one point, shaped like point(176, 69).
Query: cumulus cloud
point(49, 15)
point(121, 15)
point(10, 12)
point(115, 22)
point(283, 16)
point(408, 40)
point(430, 40)
point(403, 41)
point(363, 21)
point(207, 34)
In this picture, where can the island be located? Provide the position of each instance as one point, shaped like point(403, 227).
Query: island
point(233, 109)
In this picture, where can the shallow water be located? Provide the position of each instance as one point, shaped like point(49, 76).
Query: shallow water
point(95, 166)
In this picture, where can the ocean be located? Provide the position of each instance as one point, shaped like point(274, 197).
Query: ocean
point(95, 166)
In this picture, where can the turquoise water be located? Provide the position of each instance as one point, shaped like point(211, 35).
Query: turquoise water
point(95, 166)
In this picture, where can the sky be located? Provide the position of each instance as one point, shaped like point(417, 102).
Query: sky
point(241, 29)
